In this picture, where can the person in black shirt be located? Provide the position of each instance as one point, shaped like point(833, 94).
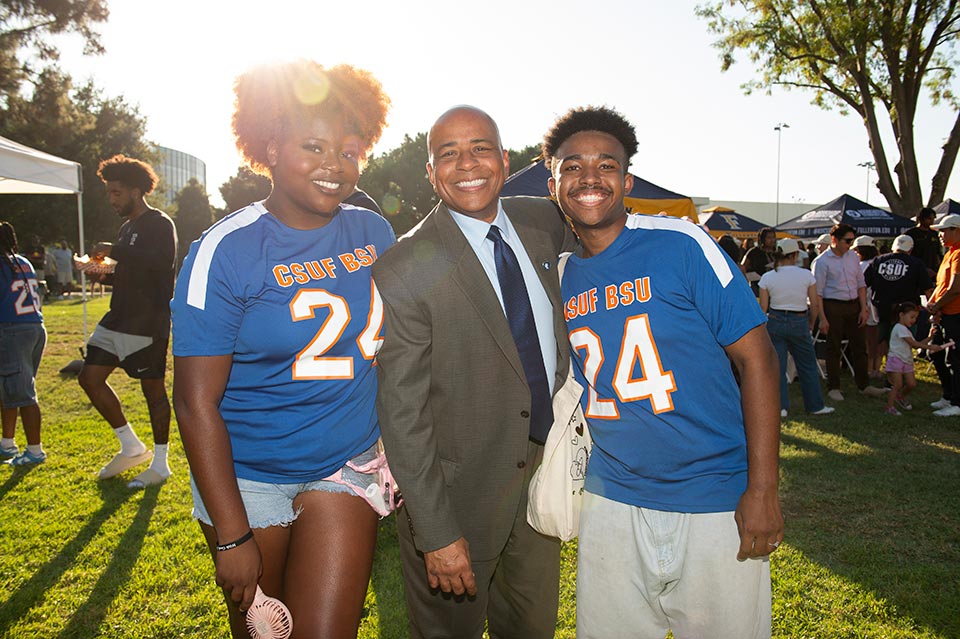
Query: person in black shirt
point(135, 331)
point(926, 241)
point(926, 248)
point(759, 259)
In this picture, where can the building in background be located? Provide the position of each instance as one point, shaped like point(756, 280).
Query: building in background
point(175, 170)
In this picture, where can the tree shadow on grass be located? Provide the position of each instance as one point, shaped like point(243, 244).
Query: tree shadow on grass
point(91, 614)
point(47, 576)
point(875, 500)
point(19, 472)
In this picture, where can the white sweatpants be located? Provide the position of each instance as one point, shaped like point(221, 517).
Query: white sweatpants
point(643, 572)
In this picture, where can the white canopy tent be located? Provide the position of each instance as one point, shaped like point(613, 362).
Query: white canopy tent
point(26, 170)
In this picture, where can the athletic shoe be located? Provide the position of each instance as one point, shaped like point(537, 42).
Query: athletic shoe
point(10, 453)
point(890, 410)
point(149, 477)
point(943, 402)
point(26, 458)
point(873, 391)
point(835, 395)
point(783, 412)
point(903, 404)
point(949, 411)
point(121, 462)
point(826, 410)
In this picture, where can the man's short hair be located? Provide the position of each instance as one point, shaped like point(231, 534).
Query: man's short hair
point(762, 233)
point(589, 118)
point(926, 213)
point(132, 173)
point(839, 230)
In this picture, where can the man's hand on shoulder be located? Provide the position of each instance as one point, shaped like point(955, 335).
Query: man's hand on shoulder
point(449, 568)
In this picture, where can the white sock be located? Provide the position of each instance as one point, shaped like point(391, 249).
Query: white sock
point(35, 449)
point(130, 444)
point(159, 462)
point(8, 443)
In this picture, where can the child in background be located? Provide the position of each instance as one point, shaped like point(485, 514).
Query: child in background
point(900, 357)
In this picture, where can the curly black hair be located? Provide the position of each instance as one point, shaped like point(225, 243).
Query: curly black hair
point(270, 98)
point(134, 174)
point(589, 118)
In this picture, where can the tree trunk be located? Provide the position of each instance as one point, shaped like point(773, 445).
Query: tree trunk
point(938, 185)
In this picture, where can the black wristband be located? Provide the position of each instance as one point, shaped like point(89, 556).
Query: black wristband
point(234, 544)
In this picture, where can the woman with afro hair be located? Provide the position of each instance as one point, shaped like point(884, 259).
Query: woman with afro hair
point(275, 325)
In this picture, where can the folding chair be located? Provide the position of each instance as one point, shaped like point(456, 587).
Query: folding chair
point(820, 347)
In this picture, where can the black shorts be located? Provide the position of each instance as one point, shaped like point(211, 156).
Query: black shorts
point(147, 363)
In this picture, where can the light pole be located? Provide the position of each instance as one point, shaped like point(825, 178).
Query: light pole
point(868, 166)
point(779, 129)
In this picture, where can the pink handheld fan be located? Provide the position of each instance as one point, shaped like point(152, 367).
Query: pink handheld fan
point(268, 618)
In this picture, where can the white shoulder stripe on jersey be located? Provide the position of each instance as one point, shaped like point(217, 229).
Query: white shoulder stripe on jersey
point(711, 250)
point(197, 287)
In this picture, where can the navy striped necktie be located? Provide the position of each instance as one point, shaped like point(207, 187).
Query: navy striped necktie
point(519, 313)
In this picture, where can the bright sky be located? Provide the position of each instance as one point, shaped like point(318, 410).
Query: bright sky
point(523, 61)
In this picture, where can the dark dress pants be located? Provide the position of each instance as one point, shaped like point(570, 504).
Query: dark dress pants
point(843, 318)
point(517, 592)
point(950, 324)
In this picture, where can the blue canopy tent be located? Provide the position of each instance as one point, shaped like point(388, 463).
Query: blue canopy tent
point(864, 218)
point(644, 197)
point(947, 207)
point(719, 220)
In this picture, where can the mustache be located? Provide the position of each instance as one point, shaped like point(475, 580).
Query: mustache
point(600, 189)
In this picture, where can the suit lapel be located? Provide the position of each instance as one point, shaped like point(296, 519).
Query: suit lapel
point(469, 275)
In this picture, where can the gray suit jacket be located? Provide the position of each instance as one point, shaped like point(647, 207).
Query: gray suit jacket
point(453, 401)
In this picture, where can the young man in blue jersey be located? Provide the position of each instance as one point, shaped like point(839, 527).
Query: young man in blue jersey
point(682, 506)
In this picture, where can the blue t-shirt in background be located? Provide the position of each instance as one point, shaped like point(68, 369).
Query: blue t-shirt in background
point(648, 321)
point(19, 298)
point(297, 311)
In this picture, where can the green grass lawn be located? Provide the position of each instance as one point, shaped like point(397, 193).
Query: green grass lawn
point(872, 507)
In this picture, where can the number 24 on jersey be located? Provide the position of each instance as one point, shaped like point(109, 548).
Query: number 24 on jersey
point(636, 346)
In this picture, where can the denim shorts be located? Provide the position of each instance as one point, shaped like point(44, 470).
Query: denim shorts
point(21, 347)
point(272, 504)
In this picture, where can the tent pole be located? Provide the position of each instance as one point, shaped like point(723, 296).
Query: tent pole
point(83, 276)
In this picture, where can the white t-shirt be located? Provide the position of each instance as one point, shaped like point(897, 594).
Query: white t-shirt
point(898, 347)
point(787, 287)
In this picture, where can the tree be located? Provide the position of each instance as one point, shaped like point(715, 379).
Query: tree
point(397, 181)
point(867, 56)
point(242, 189)
point(26, 27)
point(520, 159)
point(76, 124)
point(194, 215)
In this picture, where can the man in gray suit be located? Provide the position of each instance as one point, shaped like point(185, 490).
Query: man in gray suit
point(464, 400)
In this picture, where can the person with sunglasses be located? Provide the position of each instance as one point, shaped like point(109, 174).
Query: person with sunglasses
point(844, 311)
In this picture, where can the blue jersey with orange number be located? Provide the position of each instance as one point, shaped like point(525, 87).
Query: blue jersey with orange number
point(19, 298)
point(648, 321)
point(298, 313)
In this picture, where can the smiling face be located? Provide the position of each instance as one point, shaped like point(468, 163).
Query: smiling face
point(467, 164)
point(314, 168)
point(589, 180)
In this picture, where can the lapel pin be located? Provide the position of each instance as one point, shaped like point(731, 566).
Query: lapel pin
point(546, 265)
